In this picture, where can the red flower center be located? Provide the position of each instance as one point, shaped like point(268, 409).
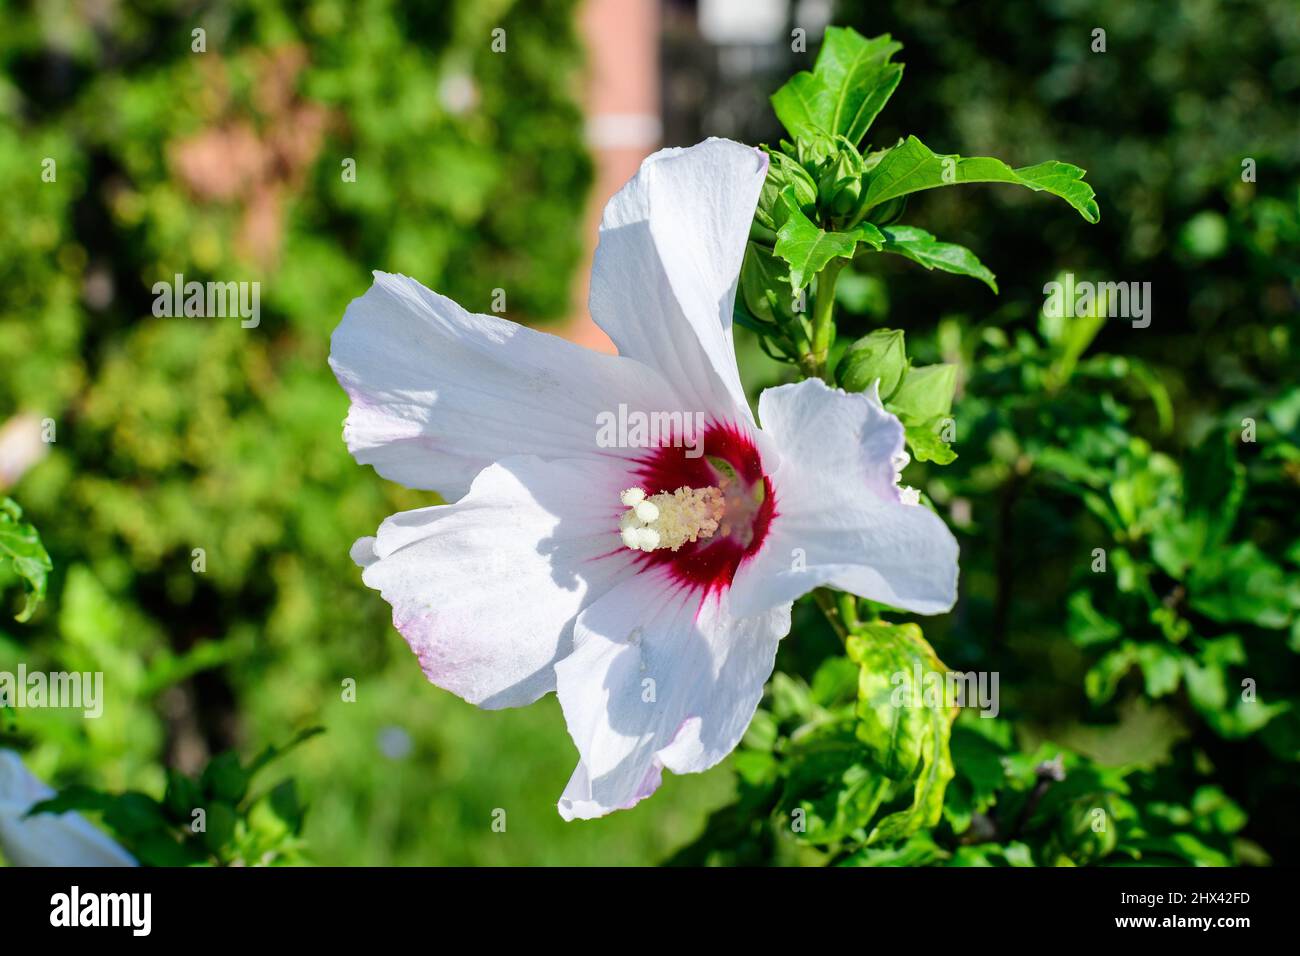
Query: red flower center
point(725, 458)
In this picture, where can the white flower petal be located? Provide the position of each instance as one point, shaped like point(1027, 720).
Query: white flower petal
point(657, 679)
point(664, 278)
point(485, 590)
point(438, 393)
point(47, 839)
point(840, 519)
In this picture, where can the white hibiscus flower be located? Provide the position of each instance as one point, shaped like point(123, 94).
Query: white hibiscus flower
point(647, 586)
point(47, 839)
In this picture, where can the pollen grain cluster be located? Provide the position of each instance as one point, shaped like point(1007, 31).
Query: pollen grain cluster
point(670, 519)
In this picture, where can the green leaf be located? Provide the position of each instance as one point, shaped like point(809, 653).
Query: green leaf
point(904, 728)
point(880, 356)
point(1086, 625)
point(765, 286)
point(1214, 484)
point(912, 167)
point(808, 248)
point(1216, 811)
point(224, 777)
point(922, 403)
point(835, 682)
point(977, 758)
point(273, 753)
point(993, 854)
point(220, 821)
point(130, 815)
point(925, 394)
point(1162, 668)
point(182, 795)
point(927, 444)
point(860, 76)
point(851, 82)
point(1102, 679)
point(1072, 338)
point(1207, 686)
point(783, 172)
point(21, 549)
point(827, 782)
point(919, 850)
point(1183, 847)
point(159, 848)
point(1242, 584)
point(803, 105)
point(133, 814)
point(75, 797)
point(285, 804)
point(919, 246)
point(741, 315)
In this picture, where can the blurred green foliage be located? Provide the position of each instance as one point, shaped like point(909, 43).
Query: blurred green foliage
point(177, 434)
point(215, 818)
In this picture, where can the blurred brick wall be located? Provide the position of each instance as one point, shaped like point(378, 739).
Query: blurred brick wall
point(624, 122)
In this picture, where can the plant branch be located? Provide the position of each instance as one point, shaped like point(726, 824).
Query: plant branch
point(826, 601)
point(823, 321)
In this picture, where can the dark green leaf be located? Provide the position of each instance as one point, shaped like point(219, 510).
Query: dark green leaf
point(224, 777)
point(220, 820)
point(133, 814)
point(285, 804)
point(162, 849)
point(76, 797)
point(182, 795)
point(765, 287)
point(912, 166)
point(1214, 485)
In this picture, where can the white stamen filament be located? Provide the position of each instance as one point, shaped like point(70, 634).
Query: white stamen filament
point(670, 519)
point(909, 496)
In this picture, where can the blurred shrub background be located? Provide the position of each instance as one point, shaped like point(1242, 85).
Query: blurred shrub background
point(471, 174)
